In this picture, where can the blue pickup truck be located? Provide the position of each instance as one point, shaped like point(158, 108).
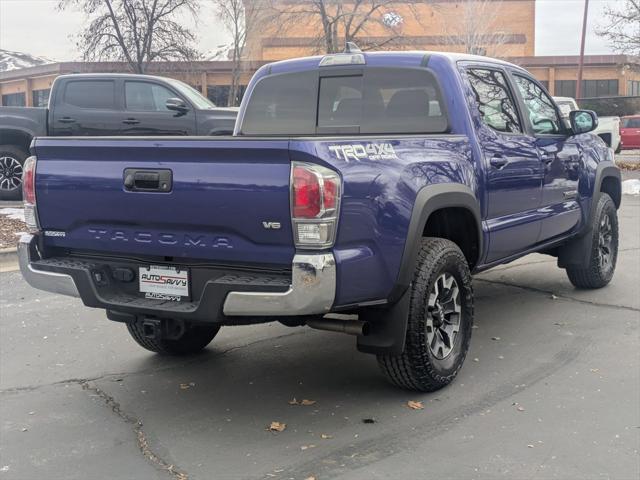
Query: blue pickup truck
point(354, 184)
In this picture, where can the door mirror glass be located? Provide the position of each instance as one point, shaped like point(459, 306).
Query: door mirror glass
point(583, 121)
point(177, 105)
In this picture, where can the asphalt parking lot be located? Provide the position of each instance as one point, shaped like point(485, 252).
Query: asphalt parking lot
point(550, 389)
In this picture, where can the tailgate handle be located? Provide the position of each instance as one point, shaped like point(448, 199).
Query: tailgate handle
point(147, 180)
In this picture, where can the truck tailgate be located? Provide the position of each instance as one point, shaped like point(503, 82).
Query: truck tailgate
point(226, 201)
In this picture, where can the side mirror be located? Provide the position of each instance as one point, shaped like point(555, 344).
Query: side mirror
point(177, 105)
point(583, 121)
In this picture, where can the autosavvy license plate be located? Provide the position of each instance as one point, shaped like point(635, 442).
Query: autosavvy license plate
point(164, 283)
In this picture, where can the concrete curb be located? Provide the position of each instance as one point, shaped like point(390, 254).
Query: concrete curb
point(8, 255)
point(11, 204)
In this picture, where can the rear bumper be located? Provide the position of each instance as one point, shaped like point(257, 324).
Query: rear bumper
point(55, 282)
point(310, 290)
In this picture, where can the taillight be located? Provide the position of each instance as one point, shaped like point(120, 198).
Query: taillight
point(315, 200)
point(29, 193)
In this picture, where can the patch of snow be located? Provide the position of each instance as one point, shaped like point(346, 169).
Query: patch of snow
point(631, 187)
point(16, 60)
point(220, 52)
point(13, 213)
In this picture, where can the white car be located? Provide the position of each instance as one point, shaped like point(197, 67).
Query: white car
point(608, 127)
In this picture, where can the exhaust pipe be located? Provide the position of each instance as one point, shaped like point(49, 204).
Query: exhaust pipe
point(350, 327)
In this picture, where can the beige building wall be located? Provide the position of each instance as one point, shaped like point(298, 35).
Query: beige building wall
point(504, 28)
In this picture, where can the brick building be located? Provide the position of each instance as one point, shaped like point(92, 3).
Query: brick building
point(507, 32)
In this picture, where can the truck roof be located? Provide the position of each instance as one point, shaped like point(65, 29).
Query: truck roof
point(134, 76)
point(384, 58)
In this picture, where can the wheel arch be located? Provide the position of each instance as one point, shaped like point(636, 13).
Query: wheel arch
point(431, 207)
point(16, 137)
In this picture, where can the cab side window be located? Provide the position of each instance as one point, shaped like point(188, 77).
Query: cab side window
point(494, 100)
point(539, 107)
point(146, 97)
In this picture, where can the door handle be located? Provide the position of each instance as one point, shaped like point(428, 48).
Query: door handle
point(498, 162)
point(131, 121)
point(147, 180)
point(67, 120)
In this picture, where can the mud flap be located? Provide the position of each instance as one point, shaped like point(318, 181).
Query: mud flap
point(576, 251)
point(388, 328)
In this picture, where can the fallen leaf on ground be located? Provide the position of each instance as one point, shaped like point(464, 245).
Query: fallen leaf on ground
point(306, 402)
point(530, 446)
point(293, 401)
point(595, 370)
point(415, 405)
point(554, 297)
point(520, 409)
point(495, 338)
point(324, 436)
point(186, 386)
point(368, 420)
point(277, 427)
point(306, 447)
point(476, 359)
point(310, 478)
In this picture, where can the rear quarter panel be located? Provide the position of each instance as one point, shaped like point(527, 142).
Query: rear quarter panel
point(378, 199)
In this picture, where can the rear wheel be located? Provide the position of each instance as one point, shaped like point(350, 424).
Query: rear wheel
point(439, 323)
point(603, 255)
point(11, 169)
point(193, 339)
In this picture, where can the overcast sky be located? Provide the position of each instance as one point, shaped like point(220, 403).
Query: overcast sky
point(36, 27)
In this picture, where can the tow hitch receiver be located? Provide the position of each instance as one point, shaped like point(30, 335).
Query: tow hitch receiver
point(156, 329)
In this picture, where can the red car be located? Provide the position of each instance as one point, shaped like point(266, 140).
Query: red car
point(630, 132)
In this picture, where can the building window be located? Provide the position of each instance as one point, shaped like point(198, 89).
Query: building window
point(14, 100)
point(633, 88)
point(565, 88)
point(41, 97)
point(599, 88)
point(219, 94)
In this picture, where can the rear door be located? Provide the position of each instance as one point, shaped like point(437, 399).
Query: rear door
point(86, 106)
point(219, 196)
point(560, 156)
point(146, 113)
point(513, 174)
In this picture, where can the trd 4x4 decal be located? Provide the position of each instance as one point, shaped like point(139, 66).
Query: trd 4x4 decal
point(369, 151)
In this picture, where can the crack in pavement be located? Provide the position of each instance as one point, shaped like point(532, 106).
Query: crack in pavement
point(559, 295)
point(143, 444)
point(195, 361)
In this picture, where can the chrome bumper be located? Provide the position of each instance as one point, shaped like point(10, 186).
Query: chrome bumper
point(312, 291)
point(40, 279)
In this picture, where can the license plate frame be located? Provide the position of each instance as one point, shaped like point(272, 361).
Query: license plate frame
point(164, 282)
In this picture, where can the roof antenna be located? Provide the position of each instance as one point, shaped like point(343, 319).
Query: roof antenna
point(351, 47)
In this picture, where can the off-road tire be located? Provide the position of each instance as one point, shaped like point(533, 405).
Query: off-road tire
point(194, 339)
point(597, 274)
point(417, 368)
point(11, 155)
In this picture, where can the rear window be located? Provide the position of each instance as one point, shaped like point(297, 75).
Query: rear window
point(97, 94)
point(631, 122)
point(381, 100)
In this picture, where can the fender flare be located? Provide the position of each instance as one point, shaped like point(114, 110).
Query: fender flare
point(430, 199)
point(577, 250)
point(604, 170)
point(389, 323)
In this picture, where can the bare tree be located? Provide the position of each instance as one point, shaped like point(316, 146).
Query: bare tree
point(136, 31)
point(475, 28)
point(241, 17)
point(348, 21)
point(622, 28)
